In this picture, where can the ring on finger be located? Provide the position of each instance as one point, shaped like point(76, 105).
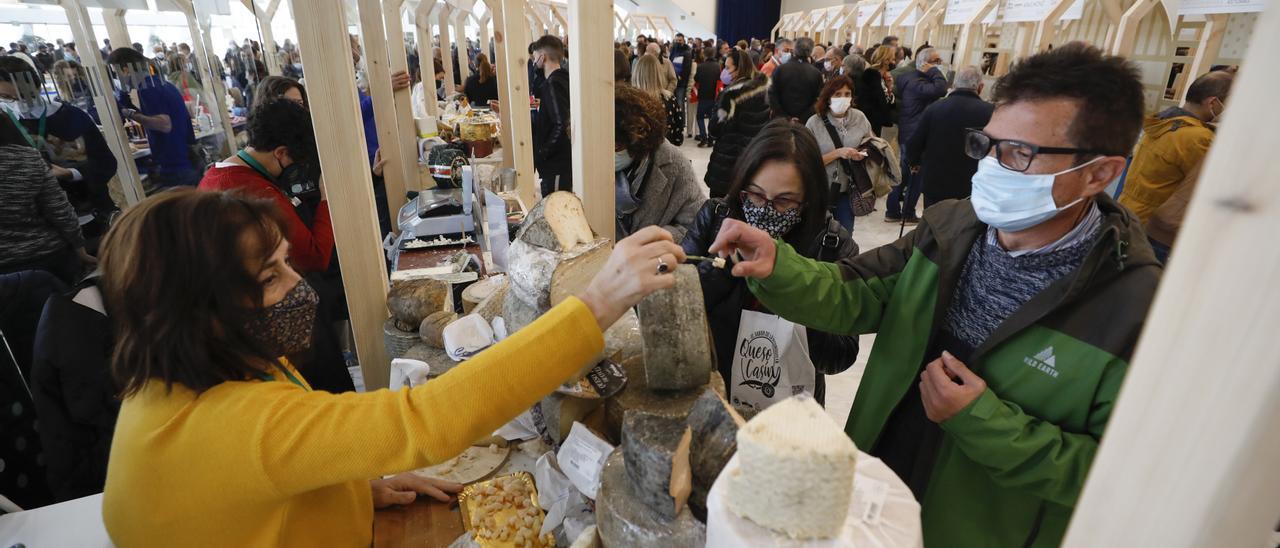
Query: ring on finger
point(663, 267)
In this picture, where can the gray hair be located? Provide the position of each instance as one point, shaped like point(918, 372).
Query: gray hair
point(922, 57)
point(968, 78)
point(783, 40)
point(804, 47)
point(854, 65)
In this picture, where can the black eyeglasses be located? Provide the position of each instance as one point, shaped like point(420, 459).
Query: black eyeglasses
point(777, 204)
point(1012, 154)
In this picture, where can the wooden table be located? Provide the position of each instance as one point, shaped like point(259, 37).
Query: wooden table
point(426, 522)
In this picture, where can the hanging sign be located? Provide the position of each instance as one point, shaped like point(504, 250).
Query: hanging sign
point(865, 10)
point(894, 8)
point(1018, 11)
point(1216, 7)
point(960, 11)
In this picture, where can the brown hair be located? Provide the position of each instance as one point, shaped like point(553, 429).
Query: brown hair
point(743, 68)
point(640, 120)
point(884, 58)
point(274, 87)
point(179, 288)
point(483, 68)
point(832, 86)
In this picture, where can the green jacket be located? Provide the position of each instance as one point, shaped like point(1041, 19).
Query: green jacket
point(1010, 465)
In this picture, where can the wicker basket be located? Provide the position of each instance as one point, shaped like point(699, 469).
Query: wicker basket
point(398, 342)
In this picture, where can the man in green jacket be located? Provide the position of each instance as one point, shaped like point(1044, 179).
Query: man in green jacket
point(1005, 322)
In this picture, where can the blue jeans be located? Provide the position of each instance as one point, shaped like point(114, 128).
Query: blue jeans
point(706, 110)
point(893, 205)
point(842, 210)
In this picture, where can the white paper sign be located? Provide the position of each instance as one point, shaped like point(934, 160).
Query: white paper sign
point(865, 10)
point(1213, 7)
point(582, 457)
point(895, 8)
point(960, 11)
point(1016, 11)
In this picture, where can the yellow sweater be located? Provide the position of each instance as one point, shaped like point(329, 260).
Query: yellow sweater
point(259, 463)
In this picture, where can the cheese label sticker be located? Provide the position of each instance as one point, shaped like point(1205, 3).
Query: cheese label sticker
point(869, 496)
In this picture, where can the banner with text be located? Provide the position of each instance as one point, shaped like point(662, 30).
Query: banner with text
point(1018, 11)
point(1215, 7)
point(960, 11)
point(895, 8)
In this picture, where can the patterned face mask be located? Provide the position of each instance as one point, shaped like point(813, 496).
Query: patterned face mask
point(285, 327)
point(776, 223)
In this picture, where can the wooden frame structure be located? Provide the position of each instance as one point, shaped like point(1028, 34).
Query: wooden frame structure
point(591, 112)
point(1211, 480)
point(656, 24)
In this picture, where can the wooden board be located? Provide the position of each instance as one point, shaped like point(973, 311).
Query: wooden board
point(591, 111)
point(426, 522)
point(472, 465)
point(398, 173)
point(513, 80)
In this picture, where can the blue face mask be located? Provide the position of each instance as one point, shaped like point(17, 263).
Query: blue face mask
point(726, 77)
point(785, 57)
point(1011, 201)
point(621, 160)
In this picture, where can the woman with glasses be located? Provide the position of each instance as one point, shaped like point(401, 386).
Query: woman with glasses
point(779, 185)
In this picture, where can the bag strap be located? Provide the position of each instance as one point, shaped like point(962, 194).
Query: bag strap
point(837, 142)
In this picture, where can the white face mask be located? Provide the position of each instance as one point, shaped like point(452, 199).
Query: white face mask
point(1012, 202)
point(840, 105)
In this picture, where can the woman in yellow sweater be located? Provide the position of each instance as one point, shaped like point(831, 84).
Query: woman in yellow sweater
point(220, 442)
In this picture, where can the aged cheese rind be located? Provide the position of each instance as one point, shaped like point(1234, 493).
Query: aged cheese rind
point(412, 300)
point(637, 395)
point(557, 222)
point(539, 276)
point(677, 346)
point(624, 521)
point(649, 444)
point(715, 440)
point(797, 471)
point(432, 329)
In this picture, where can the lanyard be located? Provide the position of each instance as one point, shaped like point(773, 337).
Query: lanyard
point(40, 130)
point(292, 378)
point(255, 165)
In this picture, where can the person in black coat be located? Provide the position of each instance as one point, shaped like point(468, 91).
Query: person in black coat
point(813, 233)
point(482, 86)
point(551, 147)
point(936, 148)
point(704, 79)
point(741, 110)
point(869, 89)
point(796, 84)
point(74, 394)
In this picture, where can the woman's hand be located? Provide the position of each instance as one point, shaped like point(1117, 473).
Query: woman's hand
point(757, 248)
point(632, 273)
point(404, 489)
point(850, 153)
point(378, 162)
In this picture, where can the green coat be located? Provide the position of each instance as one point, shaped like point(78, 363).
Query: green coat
point(1010, 465)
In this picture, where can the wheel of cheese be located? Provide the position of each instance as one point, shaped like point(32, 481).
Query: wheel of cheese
point(715, 440)
point(636, 395)
point(624, 521)
point(677, 344)
point(648, 445)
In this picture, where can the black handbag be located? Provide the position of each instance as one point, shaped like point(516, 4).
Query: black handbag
point(861, 200)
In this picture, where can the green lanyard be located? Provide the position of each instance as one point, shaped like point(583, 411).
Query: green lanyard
point(292, 378)
point(244, 156)
point(40, 129)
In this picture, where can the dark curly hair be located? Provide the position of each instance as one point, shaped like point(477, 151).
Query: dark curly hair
point(640, 121)
point(281, 122)
point(1106, 88)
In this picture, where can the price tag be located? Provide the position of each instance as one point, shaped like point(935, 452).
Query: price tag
point(582, 457)
point(869, 495)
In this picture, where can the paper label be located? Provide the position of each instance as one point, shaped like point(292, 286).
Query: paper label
point(607, 378)
point(869, 496)
point(770, 361)
point(582, 457)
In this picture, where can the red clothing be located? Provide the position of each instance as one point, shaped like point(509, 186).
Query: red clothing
point(311, 248)
point(769, 67)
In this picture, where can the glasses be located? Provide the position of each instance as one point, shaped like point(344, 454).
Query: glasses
point(777, 204)
point(1013, 155)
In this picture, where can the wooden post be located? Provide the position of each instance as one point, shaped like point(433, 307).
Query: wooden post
point(215, 91)
point(426, 59)
point(406, 131)
point(541, 26)
point(269, 51)
point(1189, 456)
point(104, 100)
point(117, 30)
point(446, 47)
point(1127, 30)
point(1047, 27)
point(399, 172)
point(514, 79)
point(928, 21)
point(500, 70)
point(485, 35)
point(591, 112)
point(964, 46)
point(460, 37)
point(561, 21)
point(331, 90)
point(1114, 12)
point(1215, 26)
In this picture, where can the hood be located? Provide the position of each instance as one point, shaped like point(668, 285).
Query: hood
point(1170, 120)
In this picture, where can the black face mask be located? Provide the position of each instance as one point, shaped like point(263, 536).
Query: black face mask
point(285, 328)
point(299, 179)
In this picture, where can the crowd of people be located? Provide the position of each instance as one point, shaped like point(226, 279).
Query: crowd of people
point(210, 364)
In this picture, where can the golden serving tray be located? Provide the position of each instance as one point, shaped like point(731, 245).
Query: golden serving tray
point(469, 492)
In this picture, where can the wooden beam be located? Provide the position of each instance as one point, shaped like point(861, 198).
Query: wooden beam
point(426, 60)
point(397, 174)
point(117, 30)
point(928, 21)
point(215, 91)
point(964, 46)
point(1047, 27)
point(486, 35)
point(540, 22)
point(460, 39)
point(104, 100)
point(1210, 43)
point(591, 112)
point(446, 47)
point(515, 80)
point(1127, 30)
point(406, 130)
point(322, 28)
point(270, 56)
point(1210, 480)
point(504, 98)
